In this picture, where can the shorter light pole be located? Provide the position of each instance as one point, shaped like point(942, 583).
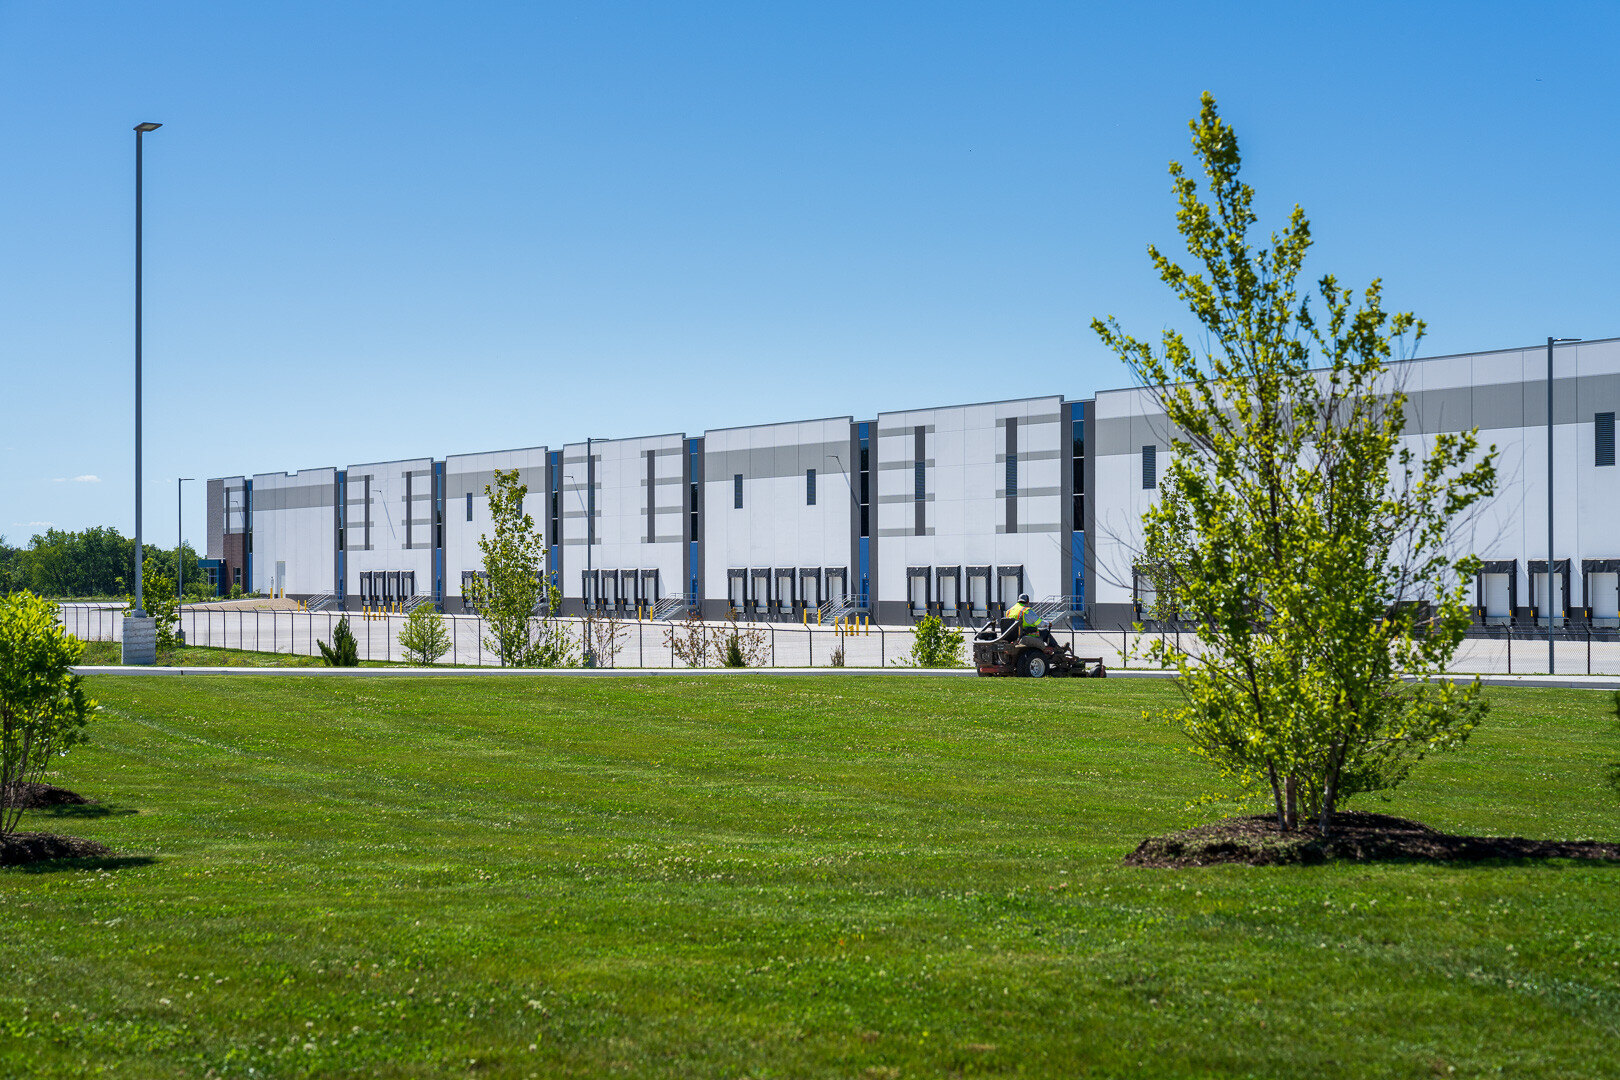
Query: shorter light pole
point(179, 541)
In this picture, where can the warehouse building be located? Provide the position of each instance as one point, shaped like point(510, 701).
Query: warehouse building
point(952, 510)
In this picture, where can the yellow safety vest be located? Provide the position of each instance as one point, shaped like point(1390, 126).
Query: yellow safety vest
point(1021, 613)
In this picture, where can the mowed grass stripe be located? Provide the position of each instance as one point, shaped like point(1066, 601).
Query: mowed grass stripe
point(767, 876)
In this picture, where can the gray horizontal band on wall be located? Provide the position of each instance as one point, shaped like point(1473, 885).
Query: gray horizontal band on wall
point(1032, 527)
point(907, 432)
point(579, 541)
point(1031, 492)
point(904, 532)
point(908, 497)
point(473, 482)
point(887, 466)
point(673, 538)
point(665, 481)
point(1490, 407)
point(301, 497)
point(1033, 455)
point(1028, 421)
point(580, 513)
point(767, 462)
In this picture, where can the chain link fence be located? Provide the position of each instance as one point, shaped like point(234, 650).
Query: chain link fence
point(650, 643)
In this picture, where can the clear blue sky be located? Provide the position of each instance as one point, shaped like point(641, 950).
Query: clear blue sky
point(382, 230)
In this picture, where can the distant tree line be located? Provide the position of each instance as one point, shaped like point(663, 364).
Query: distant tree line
point(98, 562)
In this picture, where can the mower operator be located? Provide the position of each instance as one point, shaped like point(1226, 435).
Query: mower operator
point(1028, 622)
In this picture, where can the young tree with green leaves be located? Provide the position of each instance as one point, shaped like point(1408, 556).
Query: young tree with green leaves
point(424, 639)
point(43, 708)
point(1300, 534)
point(513, 595)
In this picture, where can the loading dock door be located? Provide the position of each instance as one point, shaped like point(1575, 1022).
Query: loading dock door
point(737, 591)
point(610, 588)
point(784, 590)
point(810, 587)
point(407, 584)
point(837, 582)
point(978, 592)
point(1009, 582)
point(950, 589)
point(917, 590)
point(1497, 594)
point(1604, 597)
point(762, 592)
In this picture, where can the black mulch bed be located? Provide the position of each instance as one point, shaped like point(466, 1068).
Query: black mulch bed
point(31, 796)
point(1356, 837)
point(21, 848)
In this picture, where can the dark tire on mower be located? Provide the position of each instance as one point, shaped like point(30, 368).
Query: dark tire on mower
point(1033, 665)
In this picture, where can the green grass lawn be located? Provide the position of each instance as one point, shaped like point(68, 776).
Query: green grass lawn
point(851, 876)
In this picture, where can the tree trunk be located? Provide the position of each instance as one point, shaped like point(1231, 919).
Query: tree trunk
point(1330, 788)
point(1293, 803)
point(1276, 795)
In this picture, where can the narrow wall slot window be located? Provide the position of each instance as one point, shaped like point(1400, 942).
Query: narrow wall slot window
point(1012, 474)
point(1603, 438)
point(736, 491)
point(919, 479)
point(866, 485)
point(1078, 452)
point(809, 487)
point(652, 501)
point(469, 506)
point(1150, 467)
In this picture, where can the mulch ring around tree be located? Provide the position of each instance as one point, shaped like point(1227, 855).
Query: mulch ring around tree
point(20, 848)
point(1356, 837)
point(32, 796)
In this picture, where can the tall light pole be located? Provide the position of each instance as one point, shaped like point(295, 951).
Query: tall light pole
point(140, 132)
point(179, 541)
point(1550, 343)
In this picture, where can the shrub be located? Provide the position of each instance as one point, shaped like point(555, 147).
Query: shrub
point(43, 710)
point(935, 644)
point(424, 638)
point(158, 599)
point(344, 650)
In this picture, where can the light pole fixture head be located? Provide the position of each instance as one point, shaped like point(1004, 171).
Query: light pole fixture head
point(1558, 340)
point(144, 128)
